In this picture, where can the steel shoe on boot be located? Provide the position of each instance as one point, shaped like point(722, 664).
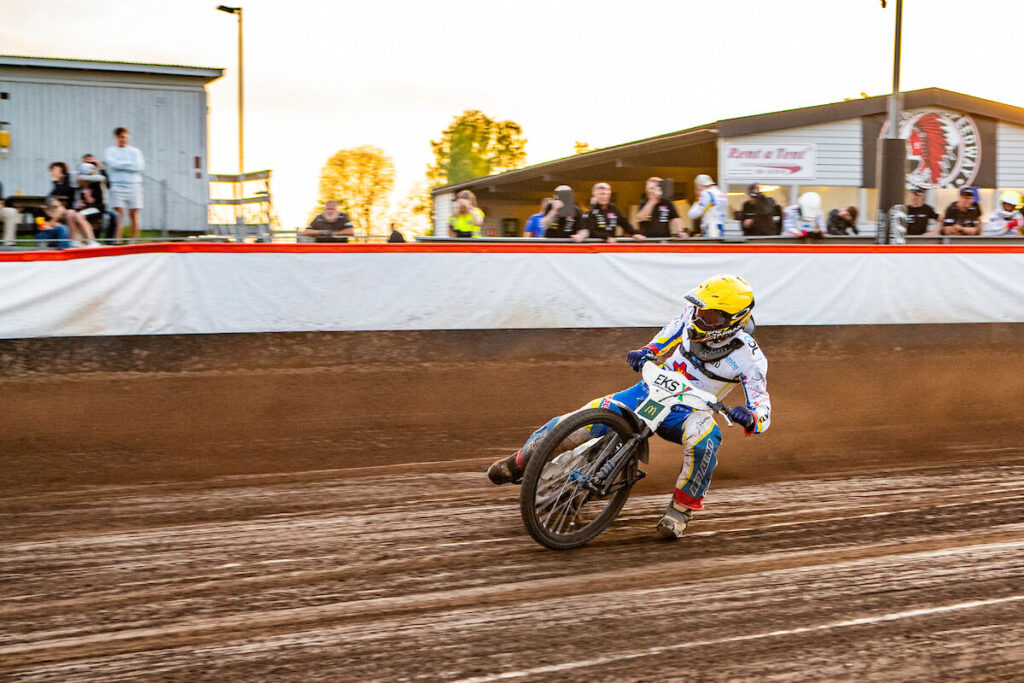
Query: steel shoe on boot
point(505, 471)
point(673, 522)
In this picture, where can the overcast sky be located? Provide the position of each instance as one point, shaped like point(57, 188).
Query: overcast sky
point(326, 75)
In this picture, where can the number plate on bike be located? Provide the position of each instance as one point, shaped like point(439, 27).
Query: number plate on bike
point(651, 409)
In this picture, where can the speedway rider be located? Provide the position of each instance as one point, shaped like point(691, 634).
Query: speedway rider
point(708, 344)
point(1008, 219)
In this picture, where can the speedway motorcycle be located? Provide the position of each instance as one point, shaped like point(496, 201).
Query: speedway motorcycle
point(580, 474)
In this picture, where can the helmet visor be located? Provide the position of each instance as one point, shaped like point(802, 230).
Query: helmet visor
point(710, 319)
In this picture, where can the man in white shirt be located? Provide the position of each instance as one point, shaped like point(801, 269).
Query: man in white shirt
point(710, 207)
point(124, 169)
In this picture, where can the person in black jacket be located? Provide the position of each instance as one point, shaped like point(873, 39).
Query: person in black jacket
point(758, 213)
point(842, 221)
point(604, 217)
point(79, 228)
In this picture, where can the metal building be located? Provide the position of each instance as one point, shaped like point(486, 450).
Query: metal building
point(60, 109)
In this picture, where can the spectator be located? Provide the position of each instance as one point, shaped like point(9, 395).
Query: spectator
point(78, 227)
point(604, 217)
point(842, 221)
point(466, 218)
point(124, 167)
point(919, 214)
point(658, 216)
point(534, 226)
point(331, 225)
point(9, 217)
point(962, 217)
point(1007, 220)
point(757, 216)
point(91, 201)
point(52, 230)
point(61, 187)
point(710, 206)
point(560, 220)
point(100, 184)
point(395, 235)
point(805, 218)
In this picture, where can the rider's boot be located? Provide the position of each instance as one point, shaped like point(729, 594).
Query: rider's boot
point(507, 470)
point(673, 522)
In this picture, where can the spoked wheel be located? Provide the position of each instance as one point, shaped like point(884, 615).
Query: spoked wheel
point(558, 504)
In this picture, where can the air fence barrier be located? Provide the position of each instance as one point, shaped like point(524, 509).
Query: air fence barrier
point(202, 288)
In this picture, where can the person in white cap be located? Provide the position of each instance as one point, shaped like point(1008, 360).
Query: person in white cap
point(805, 218)
point(710, 207)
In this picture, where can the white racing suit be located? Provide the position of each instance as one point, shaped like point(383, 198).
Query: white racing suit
point(711, 207)
point(738, 362)
point(1005, 223)
point(795, 225)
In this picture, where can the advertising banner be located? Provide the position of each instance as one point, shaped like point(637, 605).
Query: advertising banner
point(778, 162)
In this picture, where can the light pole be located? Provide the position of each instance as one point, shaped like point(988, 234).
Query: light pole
point(892, 176)
point(241, 108)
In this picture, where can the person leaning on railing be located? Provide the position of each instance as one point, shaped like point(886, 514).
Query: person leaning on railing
point(331, 225)
point(466, 218)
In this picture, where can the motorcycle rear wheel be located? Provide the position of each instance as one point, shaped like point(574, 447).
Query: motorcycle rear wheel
point(559, 511)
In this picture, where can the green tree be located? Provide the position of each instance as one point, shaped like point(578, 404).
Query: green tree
point(360, 180)
point(476, 145)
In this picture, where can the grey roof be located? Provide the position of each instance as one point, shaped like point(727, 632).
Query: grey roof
point(207, 74)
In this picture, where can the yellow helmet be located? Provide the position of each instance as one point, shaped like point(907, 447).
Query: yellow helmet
point(1012, 198)
point(722, 304)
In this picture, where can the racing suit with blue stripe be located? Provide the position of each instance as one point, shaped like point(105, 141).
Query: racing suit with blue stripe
point(716, 369)
point(711, 208)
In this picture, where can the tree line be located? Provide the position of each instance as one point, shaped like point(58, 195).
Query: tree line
point(361, 179)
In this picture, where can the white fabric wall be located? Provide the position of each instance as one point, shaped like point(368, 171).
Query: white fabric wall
point(226, 291)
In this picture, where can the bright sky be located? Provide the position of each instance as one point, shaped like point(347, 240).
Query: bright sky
point(326, 75)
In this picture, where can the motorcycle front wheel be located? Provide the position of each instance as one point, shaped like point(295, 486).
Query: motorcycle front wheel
point(559, 508)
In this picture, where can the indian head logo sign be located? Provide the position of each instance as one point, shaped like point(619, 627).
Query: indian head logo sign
point(943, 148)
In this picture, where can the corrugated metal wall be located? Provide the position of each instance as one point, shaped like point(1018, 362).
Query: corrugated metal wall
point(1009, 155)
point(837, 154)
point(60, 115)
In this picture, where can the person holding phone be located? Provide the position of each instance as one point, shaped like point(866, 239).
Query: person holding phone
point(657, 215)
point(604, 217)
point(466, 219)
point(562, 218)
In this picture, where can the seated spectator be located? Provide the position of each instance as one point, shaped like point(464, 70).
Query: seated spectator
point(805, 218)
point(962, 217)
point(842, 221)
point(81, 232)
point(603, 218)
point(466, 219)
point(9, 218)
point(1007, 219)
point(658, 216)
point(559, 220)
point(534, 227)
point(61, 187)
point(757, 216)
point(919, 214)
point(395, 235)
point(100, 183)
point(51, 229)
point(331, 225)
point(91, 200)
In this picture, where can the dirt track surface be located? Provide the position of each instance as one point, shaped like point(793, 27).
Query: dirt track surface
point(335, 524)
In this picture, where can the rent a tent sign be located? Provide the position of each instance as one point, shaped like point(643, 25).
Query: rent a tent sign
point(778, 162)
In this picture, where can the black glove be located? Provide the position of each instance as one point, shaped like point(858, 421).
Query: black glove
point(636, 359)
point(742, 416)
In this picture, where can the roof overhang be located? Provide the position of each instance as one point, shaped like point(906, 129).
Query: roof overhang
point(206, 74)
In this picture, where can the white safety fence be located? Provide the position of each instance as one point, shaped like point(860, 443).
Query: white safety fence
point(221, 292)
